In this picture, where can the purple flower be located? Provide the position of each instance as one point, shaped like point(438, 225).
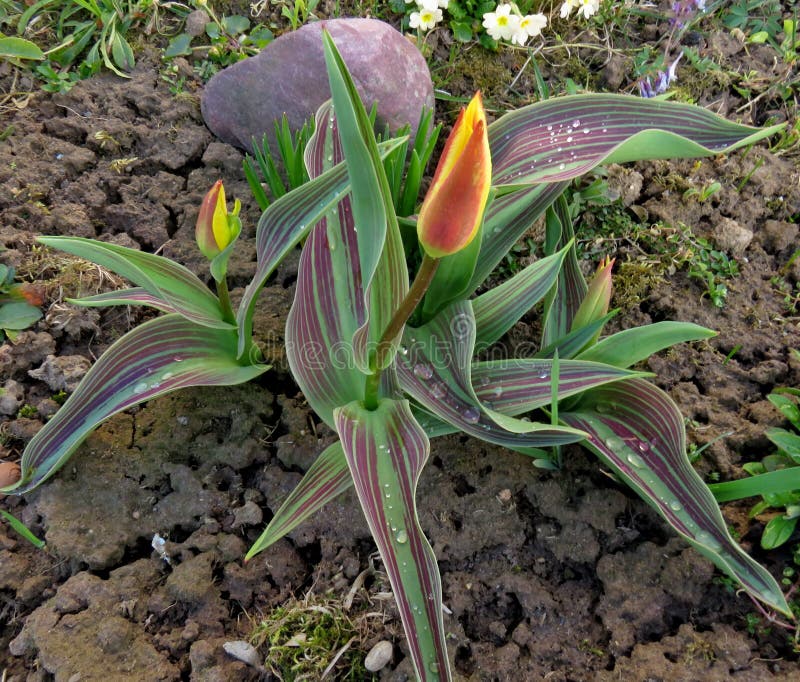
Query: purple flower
point(663, 80)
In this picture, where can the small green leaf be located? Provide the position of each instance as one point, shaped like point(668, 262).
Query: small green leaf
point(19, 48)
point(179, 46)
point(122, 53)
point(236, 24)
point(787, 441)
point(16, 316)
point(22, 529)
point(777, 531)
point(461, 30)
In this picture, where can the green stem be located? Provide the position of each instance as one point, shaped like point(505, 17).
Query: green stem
point(421, 283)
point(225, 301)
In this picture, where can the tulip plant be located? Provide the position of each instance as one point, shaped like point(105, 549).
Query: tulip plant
point(398, 363)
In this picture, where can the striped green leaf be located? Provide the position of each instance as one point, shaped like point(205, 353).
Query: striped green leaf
point(288, 220)
point(326, 479)
point(159, 356)
point(519, 385)
point(282, 226)
point(508, 217)
point(564, 299)
point(630, 346)
point(164, 280)
point(434, 368)
point(538, 149)
point(637, 431)
point(329, 306)
point(386, 450)
point(500, 308)
point(383, 275)
point(563, 138)
point(132, 296)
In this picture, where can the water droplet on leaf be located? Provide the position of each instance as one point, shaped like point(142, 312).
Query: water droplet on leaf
point(438, 391)
point(471, 415)
point(634, 460)
point(423, 371)
point(401, 537)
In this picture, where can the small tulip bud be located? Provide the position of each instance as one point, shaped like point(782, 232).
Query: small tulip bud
point(453, 208)
point(216, 228)
point(595, 303)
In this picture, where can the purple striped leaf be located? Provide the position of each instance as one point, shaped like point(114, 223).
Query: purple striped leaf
point(175, 286)
point(520, 385)
point(326, 479)
point(132, 296)
point(500, 308)
point(281, 227)
point(328, 307)
point(637, 430)
point(382, 267)
point(386, 450)
point(286, 222)
point(569, 345)
point(508, 217)
point(565, 298)
point(157, 357)
point(541, 147)
point(563, 138)
point(434, 368)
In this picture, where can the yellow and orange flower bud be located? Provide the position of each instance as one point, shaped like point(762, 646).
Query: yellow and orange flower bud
point(453, 208)
point(598, 297)
point(216, 228)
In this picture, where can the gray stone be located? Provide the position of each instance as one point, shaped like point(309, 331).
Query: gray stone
point(379, 656)
point(288, 76)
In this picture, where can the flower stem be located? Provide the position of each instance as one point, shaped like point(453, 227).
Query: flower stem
point(225, 301)
point(420, 285)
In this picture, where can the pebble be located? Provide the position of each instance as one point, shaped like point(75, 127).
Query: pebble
point(379, 656)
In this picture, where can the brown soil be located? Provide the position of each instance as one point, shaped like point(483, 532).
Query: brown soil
point(561, 576)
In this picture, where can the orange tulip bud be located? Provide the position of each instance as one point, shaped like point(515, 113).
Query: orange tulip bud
point(216, 228)
point(453, 208)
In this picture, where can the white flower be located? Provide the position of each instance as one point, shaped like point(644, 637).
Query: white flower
point(425, 19)
point(588, 7)
point(501, 24)
point(567, 7)
point(443, 3)
point(532, 24)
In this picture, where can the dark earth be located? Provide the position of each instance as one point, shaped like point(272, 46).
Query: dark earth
point(548, 575)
